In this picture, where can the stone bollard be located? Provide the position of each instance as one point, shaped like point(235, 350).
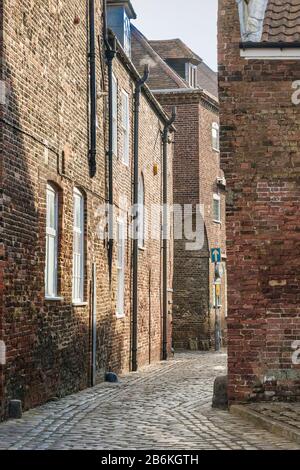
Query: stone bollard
point(220, 397)
point(111, 377)
point(15, 409)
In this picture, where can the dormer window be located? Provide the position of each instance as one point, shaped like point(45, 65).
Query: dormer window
point(119, 15)
point(191, 74)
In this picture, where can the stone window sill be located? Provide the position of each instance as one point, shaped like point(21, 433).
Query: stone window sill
point(120, 317)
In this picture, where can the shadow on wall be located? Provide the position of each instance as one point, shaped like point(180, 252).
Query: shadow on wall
point(47, 345)
point(20, 247)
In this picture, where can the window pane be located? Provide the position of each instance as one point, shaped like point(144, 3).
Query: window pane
point(77, 212)
point(78, 248)
point(125, 126)
point(120, 267)
point(50, 209)
point(216, 209)
point(141, 215)
point(115, 115)
point(215, 136)
point(50, 288)
point(51, 243)
point(127, 36)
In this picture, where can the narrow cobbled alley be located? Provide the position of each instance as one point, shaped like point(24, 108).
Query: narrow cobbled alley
point(164, 406)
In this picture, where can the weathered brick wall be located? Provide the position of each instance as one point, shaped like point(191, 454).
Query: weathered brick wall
point(1, 219)
point(259, 146)
point(45, 130)
point(195, 169)
point(45, 71)
point(150, 258)
point(209, 169)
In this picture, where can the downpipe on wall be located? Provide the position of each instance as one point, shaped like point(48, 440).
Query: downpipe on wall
point(110, 55)
point(93, 90)
point(137, 96)
point(165, 140)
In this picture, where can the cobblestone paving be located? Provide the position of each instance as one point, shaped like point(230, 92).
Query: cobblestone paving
point(165, 406)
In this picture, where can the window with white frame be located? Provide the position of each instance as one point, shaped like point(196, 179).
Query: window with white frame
point(125, 127)
point(215, 132)
point(115, 114)
point(127, 36)
point(51, 242)
point(217, 208)
point(191, 74)
point(78, 246)
point(141, 213)
point(120, 267)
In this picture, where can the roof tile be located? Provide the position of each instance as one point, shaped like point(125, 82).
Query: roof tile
point(174, 49)
point(282, 21)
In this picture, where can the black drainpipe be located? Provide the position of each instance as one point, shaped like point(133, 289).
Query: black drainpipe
point(110, 55)
point(137, 96)
point(165, 139)
point(93, 110)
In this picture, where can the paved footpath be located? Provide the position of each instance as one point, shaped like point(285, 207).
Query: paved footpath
point(166, 406)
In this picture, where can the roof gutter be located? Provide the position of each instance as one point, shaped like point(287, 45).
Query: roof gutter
point(197, 92)
point(270, 50)
point(145, 89)
point(269, 45)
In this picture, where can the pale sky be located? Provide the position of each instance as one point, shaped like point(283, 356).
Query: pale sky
point(193, 21)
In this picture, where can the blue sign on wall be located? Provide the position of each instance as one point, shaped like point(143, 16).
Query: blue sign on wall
point(216, 255)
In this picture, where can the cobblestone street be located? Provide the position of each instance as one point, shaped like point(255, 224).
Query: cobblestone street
point(166, 406)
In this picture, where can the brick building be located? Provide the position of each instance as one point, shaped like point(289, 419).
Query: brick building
point(179, 77)
point(66, 314)
point(258, 64)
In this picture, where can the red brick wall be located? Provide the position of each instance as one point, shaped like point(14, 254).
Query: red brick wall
point(196, 168)
point(259, 154)
point(46, 139)
point(209, 170)
point(1, 217)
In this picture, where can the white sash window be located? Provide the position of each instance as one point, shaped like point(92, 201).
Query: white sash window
point(141, 213)
point(217, 208)
point(78, 247)
point(120, 267)
point(215, 136)
point(51, 242)
point(125, 127)
point(115, 115)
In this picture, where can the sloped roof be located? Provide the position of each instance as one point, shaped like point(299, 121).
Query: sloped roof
point(174, 49)
point(282, 21)
point(161, 75)
point(207, 79)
